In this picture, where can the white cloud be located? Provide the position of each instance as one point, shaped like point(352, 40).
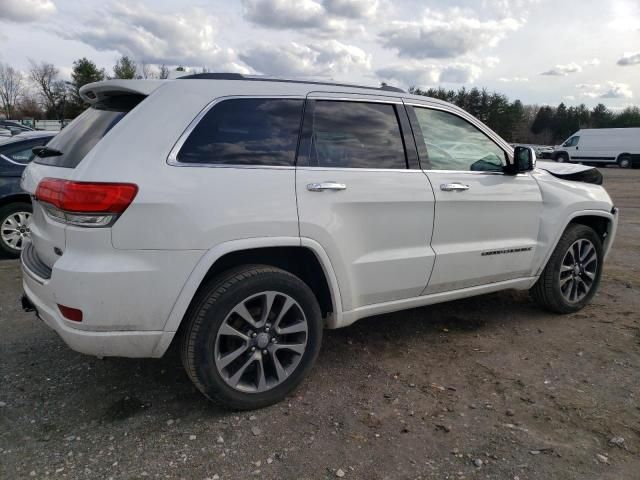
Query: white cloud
point(324, 58)
point(22, 11)
point(351, 8)
point(610, 90)
point(185, 38)
point(328, 18)
point(630, 58)
point(569, 98)
point(594, 62)
point(563, 70)
point(446, 35)
point(421, 75)
point(617, 90)
point(513, 79)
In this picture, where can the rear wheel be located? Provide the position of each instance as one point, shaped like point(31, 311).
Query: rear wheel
point(572, 275)
point(14, 227)
point(624, 161)
point(254, 334)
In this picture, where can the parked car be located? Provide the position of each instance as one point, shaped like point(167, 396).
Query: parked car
point(14, 128)
point(602, 146)
point(15, 205)
point(239, 216)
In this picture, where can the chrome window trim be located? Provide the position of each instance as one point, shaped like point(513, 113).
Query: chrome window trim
point(172, 159)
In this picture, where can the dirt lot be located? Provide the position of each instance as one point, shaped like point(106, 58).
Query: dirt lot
point(489, 387)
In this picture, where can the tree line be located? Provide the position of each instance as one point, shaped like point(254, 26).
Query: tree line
point(535, 124)
point(42, 94)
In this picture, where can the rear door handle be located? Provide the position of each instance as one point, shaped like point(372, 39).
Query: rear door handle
point(453, 187)
point(321, 187)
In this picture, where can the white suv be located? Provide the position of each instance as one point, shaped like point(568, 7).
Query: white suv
point(242, 215)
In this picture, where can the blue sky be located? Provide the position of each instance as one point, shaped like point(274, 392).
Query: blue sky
point(540, 51)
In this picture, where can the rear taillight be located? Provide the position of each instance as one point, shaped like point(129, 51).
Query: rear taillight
point(89, 204)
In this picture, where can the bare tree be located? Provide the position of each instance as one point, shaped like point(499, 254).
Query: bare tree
point(11, 88)
point(44, 76)
point(164, 72)
point(147, 70)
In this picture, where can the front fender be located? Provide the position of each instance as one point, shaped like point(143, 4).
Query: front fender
point(562, 202)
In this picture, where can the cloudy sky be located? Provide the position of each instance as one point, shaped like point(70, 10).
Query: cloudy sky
point(541, 51)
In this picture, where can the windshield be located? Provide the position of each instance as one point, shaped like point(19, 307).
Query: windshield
point(81, 135)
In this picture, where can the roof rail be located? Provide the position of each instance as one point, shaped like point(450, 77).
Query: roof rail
point(264, 78)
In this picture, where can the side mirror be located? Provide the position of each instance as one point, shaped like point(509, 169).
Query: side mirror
point(524, 159)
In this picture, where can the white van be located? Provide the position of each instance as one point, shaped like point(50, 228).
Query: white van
point(602, 145)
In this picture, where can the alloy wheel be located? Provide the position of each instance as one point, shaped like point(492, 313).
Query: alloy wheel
point(261, 342)
point(15, 230)
point(578, 270)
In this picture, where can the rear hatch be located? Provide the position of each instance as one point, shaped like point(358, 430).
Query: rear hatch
point(63, 154)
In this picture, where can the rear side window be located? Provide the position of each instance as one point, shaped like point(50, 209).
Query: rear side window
point(246, 131)
point(356, 135)
point(80, 136)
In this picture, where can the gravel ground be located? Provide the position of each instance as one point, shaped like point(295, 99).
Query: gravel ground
point(488, 387)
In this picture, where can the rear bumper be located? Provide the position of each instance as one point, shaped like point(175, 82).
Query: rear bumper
point(125, 297)
point(101, 344)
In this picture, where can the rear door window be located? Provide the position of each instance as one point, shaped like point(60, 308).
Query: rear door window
point(80, 136)
point(246, 131)
point(356, 135)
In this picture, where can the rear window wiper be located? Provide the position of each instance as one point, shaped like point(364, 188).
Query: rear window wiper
point(45, 151)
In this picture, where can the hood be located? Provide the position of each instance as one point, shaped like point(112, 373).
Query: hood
point(572, 171)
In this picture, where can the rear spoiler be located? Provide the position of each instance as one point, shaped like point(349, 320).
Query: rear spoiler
point(94, 92)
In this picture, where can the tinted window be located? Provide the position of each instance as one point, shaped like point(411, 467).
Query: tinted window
point(356, 135)
point(246, 131)
point(81, 135)
point(454, 144)
point(21, 152)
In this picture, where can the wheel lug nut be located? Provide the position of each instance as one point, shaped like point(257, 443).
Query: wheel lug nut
point(253, 349)
point(264, 352)
point(266, 329)
point(254, 335)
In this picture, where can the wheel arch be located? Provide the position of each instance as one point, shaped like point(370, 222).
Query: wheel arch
point(14, 198)
point(305, 259)
point(603, 222)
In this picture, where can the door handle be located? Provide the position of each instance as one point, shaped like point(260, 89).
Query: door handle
point(453, 187)
point(321, 187)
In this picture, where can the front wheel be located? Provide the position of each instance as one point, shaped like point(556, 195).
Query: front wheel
point(571, 277)
point(252, 336)
point(562, 158)
point(624, 161)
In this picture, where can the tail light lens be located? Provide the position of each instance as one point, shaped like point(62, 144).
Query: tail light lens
point(69, 313)
point(89, 204)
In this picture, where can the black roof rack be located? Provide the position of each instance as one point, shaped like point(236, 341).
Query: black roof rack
point(257, 78)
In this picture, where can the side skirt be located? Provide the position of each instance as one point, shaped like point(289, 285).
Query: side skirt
point(347, 318)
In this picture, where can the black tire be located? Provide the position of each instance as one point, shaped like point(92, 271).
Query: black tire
point(562, 158)
point(546, 292)
point(624, 161)
point(5, 212)
point(210, 309)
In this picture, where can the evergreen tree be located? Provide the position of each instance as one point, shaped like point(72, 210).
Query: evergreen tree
point(84, 72)
point(125, 68)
